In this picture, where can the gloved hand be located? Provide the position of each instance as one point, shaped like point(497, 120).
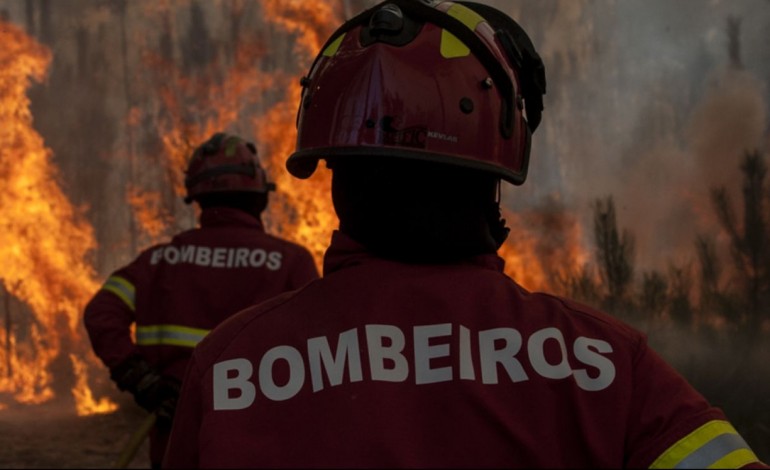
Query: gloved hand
point(168, 389)
point(152, 391)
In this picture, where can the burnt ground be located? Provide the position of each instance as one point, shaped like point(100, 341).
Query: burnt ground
point(51, 435)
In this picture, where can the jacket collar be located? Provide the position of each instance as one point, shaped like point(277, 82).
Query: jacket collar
point(226, 216)
point(345, 252)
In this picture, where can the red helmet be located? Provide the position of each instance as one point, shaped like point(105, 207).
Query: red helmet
point(453, 82)
point(225, 163)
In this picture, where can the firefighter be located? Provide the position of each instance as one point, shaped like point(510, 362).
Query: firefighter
point(176, 292)
point(414, 349)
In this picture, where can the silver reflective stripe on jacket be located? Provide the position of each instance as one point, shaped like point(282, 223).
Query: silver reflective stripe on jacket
point(122, 288)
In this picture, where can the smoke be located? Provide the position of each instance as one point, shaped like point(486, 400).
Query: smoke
point(653, 102)
point(731, 117)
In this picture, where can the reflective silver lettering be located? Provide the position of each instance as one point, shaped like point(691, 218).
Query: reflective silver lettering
point(188, 252)
point(218, 260)
point(156, 256)
point(257, 258)
point(267, 384)
point(379, 353)
point(466, 361)
point(490, 356)
point(424, 352)
point(240, 382)
point(588, 351)
point(319, 354)
point(536, 352)
point(242, 258)
point(171, 255)
point(274, 260)
point(203, 256)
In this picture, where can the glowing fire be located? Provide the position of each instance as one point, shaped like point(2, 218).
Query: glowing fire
point(44, 242)
point(148, 211)
point(308, 216)
point(50, 274)
point(544, 244)
point(302, 211)
point(299, 212)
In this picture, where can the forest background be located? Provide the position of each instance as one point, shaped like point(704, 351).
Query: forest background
point(647, 194)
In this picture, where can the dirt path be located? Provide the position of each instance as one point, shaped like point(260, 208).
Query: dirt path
point(53, 436)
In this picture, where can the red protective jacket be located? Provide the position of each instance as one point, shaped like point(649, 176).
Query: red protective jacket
point(385, 364)
point(175, 293)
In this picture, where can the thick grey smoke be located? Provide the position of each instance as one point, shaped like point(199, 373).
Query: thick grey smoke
point(649, 101)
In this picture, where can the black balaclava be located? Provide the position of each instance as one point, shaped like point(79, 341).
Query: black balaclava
point(416, 211)
point(247, 201)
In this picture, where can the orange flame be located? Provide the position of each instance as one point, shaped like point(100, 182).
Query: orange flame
point(85, 403)
point(545, 244)
point(50, 274)
point(305, 213)
point(301, 213)
point(44, 241)
point(148, 211)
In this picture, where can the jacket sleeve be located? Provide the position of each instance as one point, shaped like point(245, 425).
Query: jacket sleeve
point(108, 317)
point(303, 270)
point(183, 444)
point(672, 425)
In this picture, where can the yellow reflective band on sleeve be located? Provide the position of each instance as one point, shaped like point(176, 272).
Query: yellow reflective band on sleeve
point(451, 47)
point(332, 48)
point(736, 459)
point(171, 335)
point(716, 444)
point(122, 288)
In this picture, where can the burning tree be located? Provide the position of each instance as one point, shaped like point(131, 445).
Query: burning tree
point(236, 84)
point(139, 131)
point(44, 245)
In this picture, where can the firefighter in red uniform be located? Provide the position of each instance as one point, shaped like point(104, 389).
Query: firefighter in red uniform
point(176, 292)
point(414, 349)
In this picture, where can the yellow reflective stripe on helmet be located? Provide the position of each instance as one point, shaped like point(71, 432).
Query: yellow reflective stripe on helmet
point(452, 47)
point(122, 288)
point(231, 146)
point(173, 335)
point(332, 48)
point(716, 444)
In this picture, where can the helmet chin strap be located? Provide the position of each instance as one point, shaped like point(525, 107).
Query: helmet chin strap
point(497, 227)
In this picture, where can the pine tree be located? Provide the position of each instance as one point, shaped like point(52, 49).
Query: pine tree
point(681, 309)
point(653, 295)
point(580, 285)
point(714, 298)
point(749, 239)
point(614, 253)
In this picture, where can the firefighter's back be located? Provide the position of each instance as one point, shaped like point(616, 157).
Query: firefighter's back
point(389, 364)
